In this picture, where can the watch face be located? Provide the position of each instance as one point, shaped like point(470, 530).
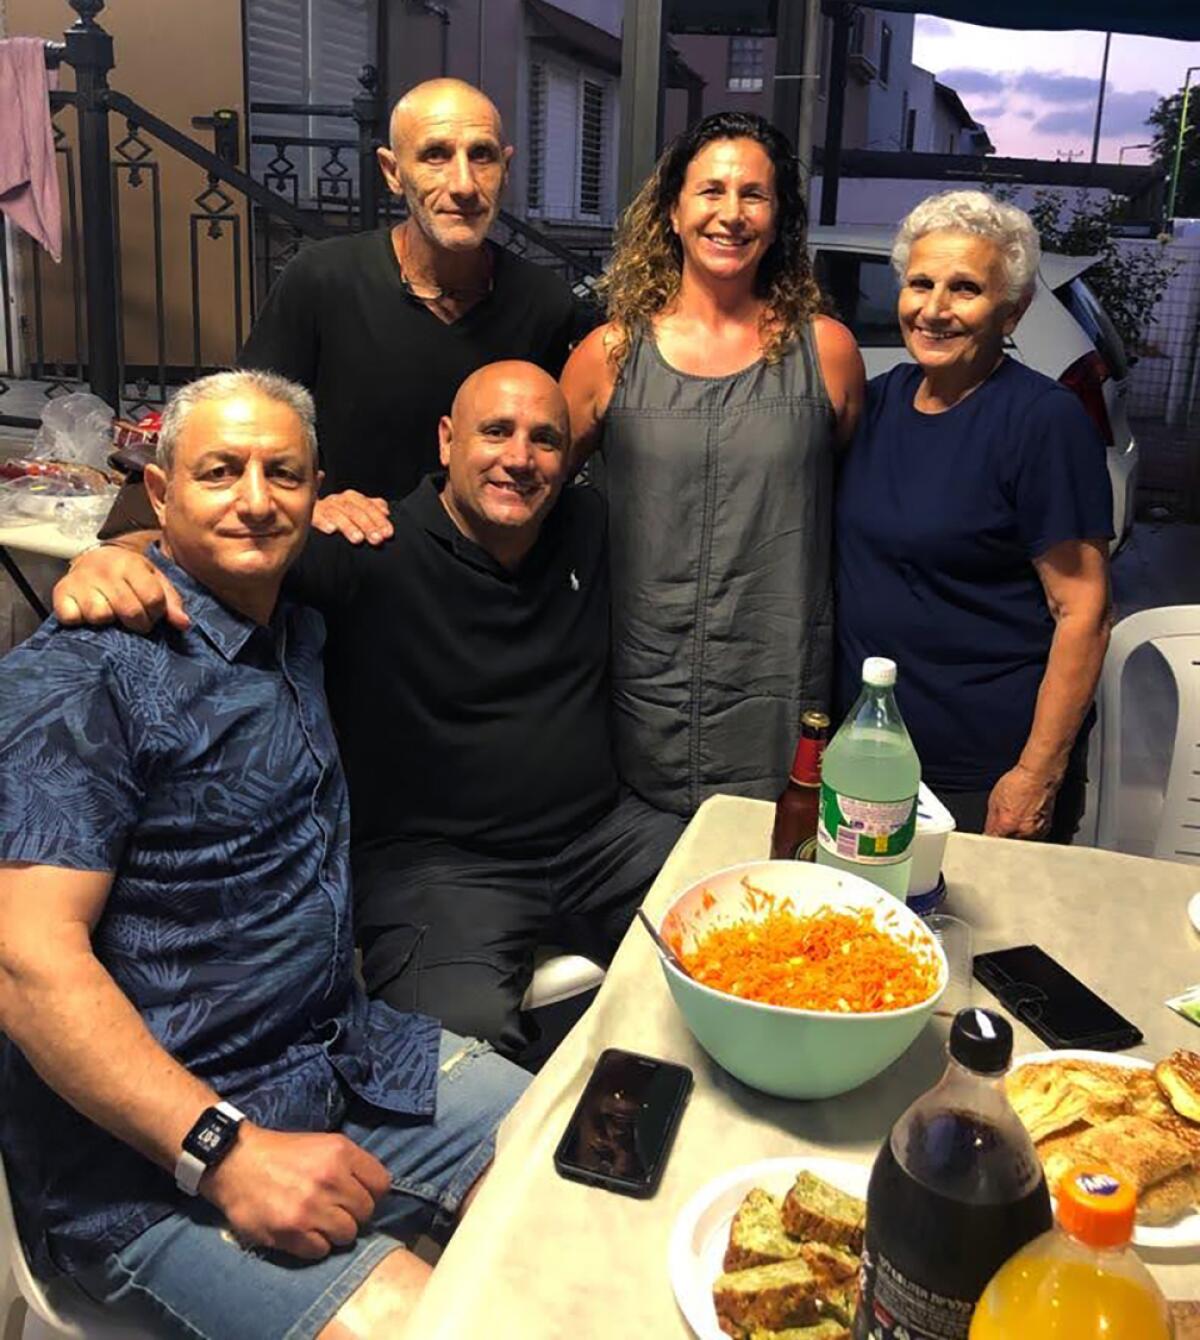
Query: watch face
point(211, 1136)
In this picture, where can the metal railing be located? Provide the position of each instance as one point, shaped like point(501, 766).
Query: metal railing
point(342, 190)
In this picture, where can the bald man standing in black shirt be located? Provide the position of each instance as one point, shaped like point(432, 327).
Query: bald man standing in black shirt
point(383, 327)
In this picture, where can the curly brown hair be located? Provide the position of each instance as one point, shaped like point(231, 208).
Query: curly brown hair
point(644, 275)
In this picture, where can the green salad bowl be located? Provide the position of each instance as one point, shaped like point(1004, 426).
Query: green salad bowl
point(793, 1053)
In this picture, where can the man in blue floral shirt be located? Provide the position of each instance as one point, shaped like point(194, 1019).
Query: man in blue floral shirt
point(204, 1123)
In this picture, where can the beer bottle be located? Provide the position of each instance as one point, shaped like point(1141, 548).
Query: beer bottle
point(794, 837)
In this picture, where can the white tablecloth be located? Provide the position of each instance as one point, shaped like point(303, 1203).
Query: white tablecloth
point(542, 1257)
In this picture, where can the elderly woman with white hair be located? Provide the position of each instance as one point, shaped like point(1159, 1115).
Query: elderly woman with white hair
point(972, 517)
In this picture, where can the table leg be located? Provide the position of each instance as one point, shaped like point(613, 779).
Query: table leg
point(22, 585)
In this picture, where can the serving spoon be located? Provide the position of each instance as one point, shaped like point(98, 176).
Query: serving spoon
point(663, 947)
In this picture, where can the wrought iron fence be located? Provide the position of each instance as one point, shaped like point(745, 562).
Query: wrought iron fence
point(261, 223)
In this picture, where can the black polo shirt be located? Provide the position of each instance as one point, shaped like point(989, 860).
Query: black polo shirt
point(471, 703)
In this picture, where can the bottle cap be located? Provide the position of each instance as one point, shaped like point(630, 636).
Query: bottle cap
point(1096, 1206)
point(815, 721)
point(879, 672)
point(981, 1040)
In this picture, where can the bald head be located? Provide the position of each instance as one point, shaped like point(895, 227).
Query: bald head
point(505, 446)
point(449, 161)
point(498, 383)
point(444, 99)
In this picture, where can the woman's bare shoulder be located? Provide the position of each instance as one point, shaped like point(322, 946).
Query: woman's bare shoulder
point(833, 338)
point(591, 366)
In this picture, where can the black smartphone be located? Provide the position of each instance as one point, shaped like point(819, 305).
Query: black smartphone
point(621, 1130)
point(1052, 1002)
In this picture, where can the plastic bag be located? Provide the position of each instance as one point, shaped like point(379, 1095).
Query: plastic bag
point(76, 427)
point(74, 504)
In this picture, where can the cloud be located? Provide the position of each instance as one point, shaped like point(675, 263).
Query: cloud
point(1068, 121)
point(1027, 114)
point(1055, 87)
point(928, 25)
point(966, 80)
point(990, 112)
point(1124, 114)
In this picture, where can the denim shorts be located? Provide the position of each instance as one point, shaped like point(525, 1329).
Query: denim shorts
point(188, 1275)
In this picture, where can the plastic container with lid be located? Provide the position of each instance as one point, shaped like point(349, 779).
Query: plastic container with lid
point(935, 823)
point(1081, 1280)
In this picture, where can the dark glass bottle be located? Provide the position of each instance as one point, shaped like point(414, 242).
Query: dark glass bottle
point(794, 837)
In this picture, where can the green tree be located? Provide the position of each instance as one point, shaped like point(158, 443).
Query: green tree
point(1165, 121)
point(1128, 280)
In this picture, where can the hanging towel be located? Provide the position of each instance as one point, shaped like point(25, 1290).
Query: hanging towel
point(28, 170)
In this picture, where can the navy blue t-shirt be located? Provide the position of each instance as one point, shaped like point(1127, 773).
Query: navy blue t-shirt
point(938, 519)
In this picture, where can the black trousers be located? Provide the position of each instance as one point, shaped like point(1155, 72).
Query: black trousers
point(452, 933)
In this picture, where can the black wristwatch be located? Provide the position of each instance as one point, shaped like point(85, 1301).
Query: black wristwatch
point(206, 1144)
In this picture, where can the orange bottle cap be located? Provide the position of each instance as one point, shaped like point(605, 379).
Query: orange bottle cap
point(1097, 1206)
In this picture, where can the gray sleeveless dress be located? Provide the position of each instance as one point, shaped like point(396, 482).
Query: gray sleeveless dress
point(721, 508)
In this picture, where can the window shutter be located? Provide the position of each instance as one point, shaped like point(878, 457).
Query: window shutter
point(277, 69)
point(536, 154)
point(306, 51)
point(340, 45)
point(591, 148)
point(562, 135)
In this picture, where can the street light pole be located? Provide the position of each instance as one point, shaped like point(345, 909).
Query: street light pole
point(1125, 148)
point(1183, 111)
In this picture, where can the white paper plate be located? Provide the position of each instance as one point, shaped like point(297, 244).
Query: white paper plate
point(1183, 1232)
point(701, 1231)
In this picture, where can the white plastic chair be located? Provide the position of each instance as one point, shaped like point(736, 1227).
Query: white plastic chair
point(1174, 632)
point(558, 976)
point(70, 1314)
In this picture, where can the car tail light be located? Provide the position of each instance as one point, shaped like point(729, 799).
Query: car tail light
point(1086, 377)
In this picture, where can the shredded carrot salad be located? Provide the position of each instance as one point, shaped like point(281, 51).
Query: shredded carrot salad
point(831, 960)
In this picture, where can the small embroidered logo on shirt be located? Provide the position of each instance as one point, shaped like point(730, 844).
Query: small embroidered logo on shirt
point(574, 581)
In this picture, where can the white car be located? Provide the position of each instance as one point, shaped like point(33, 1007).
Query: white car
point(1065, 334)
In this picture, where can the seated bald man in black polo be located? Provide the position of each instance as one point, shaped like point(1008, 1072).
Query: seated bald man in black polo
point(467, 670)
point(467, 674)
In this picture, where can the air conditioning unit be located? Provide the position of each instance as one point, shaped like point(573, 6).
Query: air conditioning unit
point(862, 67)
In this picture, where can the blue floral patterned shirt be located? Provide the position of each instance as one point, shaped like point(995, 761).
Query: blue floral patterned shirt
point(200, 767)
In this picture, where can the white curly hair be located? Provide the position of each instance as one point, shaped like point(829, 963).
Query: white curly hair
point(1010, 229)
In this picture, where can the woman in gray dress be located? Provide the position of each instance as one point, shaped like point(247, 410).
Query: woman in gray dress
point(717, 395)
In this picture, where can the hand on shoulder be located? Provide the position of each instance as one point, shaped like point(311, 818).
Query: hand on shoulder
point(114, 584)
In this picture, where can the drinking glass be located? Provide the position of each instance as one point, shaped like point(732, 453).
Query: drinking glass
point(954, 935)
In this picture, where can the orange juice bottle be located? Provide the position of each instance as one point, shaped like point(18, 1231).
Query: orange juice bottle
point(1081, 1280)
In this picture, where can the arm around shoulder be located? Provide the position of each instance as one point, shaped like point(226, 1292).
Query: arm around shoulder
point(587, 382)
point(843, 371)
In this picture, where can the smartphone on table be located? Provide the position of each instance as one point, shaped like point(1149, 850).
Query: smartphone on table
point(621, 1131)
point(1052, 1002)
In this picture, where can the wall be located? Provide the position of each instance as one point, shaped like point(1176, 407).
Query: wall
point(177, 67)
point(885, 200)
point(885, 102)
point(500, 69)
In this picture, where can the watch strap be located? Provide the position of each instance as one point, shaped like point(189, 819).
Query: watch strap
point(188, 1168)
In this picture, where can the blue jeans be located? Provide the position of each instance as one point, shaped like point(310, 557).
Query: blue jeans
point(188, 1275)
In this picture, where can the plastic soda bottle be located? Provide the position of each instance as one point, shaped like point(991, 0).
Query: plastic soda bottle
point(956, 1189)
point(1080, 1281)
point(869, 779)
